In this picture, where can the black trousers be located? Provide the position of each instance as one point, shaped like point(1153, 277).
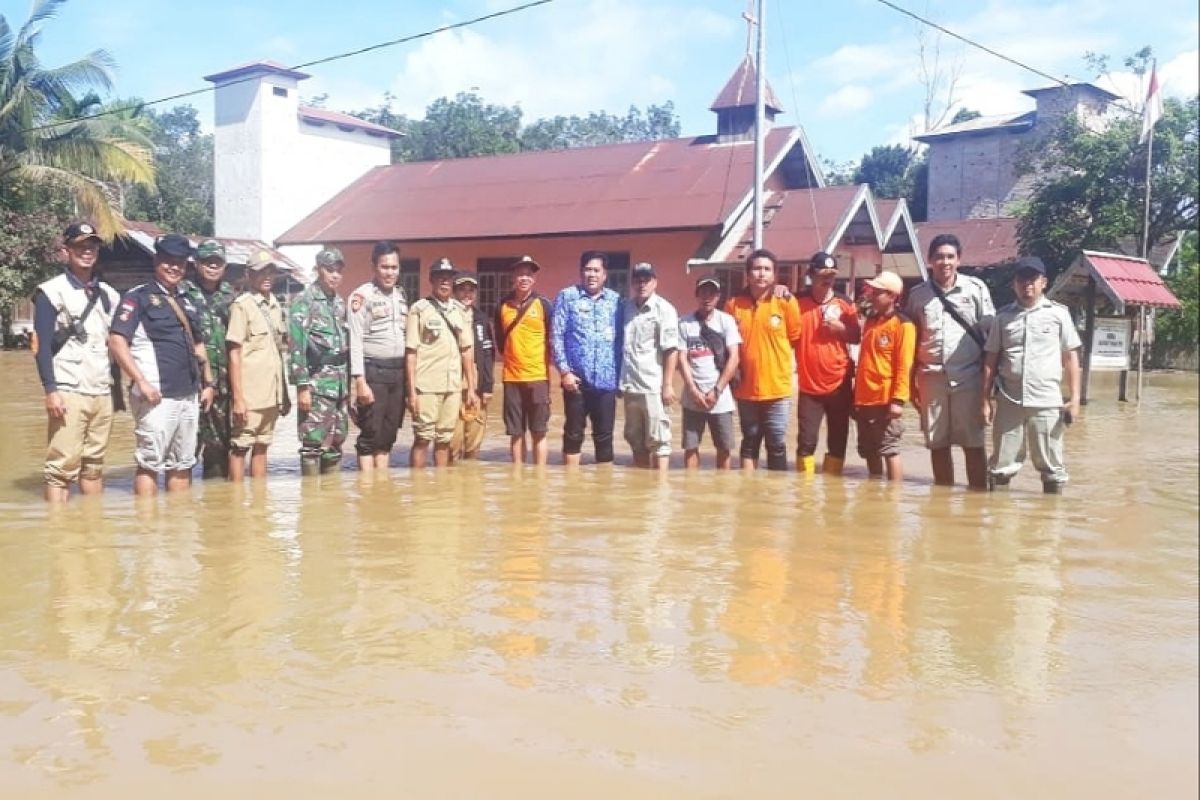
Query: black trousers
point(836, 407)
point(379, 422)
point(590, 404)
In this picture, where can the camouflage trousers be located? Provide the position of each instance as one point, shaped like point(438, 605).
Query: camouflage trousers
point(212, 439)
point(322, 431)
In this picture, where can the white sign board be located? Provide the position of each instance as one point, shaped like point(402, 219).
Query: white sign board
point(1110, 344)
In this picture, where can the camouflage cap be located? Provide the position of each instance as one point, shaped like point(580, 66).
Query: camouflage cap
point(210, 249)
point(330, 257)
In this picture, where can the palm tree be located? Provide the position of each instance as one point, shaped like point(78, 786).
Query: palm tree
point(42, 140)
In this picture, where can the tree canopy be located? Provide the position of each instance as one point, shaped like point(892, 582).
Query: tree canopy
point(1092, 194)
point(182, 196)
point(466, 126)
point(42, 141)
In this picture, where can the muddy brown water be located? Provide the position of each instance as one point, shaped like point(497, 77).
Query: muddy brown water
point(486, 632)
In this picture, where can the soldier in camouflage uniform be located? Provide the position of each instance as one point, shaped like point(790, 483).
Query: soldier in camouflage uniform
point(320, 367)
point(212, 296)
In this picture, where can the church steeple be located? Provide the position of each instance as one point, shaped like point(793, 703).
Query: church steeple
point(734, 106)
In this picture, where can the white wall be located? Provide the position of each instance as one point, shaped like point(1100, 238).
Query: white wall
point(312, 165)
point(237, 159)
point(272, 169)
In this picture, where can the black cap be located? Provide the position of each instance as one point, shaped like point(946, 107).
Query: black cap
point(173, 244)
point(821, 260)
point(525, 261)
point(711, 280)
point(1031, 264)
point(441, 267)
point(466, 277)
point(642, 269)
point(80, 231)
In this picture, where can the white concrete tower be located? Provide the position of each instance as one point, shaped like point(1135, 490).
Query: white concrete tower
point(276, 161)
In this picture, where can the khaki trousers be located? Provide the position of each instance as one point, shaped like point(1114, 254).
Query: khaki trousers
point(1018, 430)
point(78, 441)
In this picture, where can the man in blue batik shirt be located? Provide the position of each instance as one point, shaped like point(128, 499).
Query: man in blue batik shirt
point(586, 340)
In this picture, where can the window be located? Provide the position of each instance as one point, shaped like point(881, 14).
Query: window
point(279, 91)
point(410, 279)
point(493, 281)
point(732, 280)
point(618, 273)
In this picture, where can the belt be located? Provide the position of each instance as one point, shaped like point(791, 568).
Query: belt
point(384, 362)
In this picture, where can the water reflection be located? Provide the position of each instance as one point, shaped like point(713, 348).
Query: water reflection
point(642, 631)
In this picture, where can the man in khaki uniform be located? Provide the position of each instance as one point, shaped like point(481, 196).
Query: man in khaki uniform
point(440, 360)
point(255, 340)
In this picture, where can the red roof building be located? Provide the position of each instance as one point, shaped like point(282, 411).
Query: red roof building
point(1123, 281)
point(682, 204)
point(985, 242)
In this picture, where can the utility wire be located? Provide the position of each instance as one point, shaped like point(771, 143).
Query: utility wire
point(381, 45)
point(1065, 83)
point(971, 42)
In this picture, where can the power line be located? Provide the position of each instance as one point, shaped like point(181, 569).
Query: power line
point(1065, 83)
point(381, 45)
point(971, 42)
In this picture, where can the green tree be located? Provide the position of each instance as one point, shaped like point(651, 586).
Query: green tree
point(41, 142)
point(964, 115)
point(888, 169)
point(182, 198)
point(28, 245)
point(1092, 196)
point(1178, 331)
point(466, 126)
point(600, 127)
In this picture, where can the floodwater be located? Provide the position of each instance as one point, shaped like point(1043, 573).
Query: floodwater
point(486, 632)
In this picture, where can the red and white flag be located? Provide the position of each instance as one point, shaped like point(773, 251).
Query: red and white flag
point(1153, 109)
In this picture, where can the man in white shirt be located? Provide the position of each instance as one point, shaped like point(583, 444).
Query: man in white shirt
point(711, 339)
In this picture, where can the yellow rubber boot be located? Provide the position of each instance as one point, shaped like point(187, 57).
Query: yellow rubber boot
point(808, 465)
point(833, 465)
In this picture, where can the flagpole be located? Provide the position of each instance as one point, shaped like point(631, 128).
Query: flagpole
point(1146, 227)
point(760, 123)
point(1146, 205)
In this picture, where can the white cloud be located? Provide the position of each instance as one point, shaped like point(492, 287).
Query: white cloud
point(847, 99)
point(606, 54)
point(1180, 75)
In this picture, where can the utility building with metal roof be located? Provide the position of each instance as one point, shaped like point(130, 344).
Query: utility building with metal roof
point(682, 204)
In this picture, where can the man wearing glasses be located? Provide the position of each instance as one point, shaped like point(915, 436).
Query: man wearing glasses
point(157, 341)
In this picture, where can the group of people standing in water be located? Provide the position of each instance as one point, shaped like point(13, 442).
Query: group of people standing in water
point(208, 367)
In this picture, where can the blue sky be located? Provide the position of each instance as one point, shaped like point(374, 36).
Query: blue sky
point(848, 71)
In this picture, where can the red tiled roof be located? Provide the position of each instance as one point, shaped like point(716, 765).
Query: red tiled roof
point(1133, 280)
point(321, 115)
point(741, 90)
point(662, 185)
point(985, 242)
point(805, 220)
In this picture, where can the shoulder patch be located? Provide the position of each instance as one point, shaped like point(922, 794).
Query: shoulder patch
point(356, 301)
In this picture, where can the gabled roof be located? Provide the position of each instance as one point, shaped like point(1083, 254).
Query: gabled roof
point(1010, 123)
point(253, 67)
point(690, 183)
point(800, 222)
point(742, 90)
point(897, 233)
point(985, 242)
point(1124, 280)
point(320, 116)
